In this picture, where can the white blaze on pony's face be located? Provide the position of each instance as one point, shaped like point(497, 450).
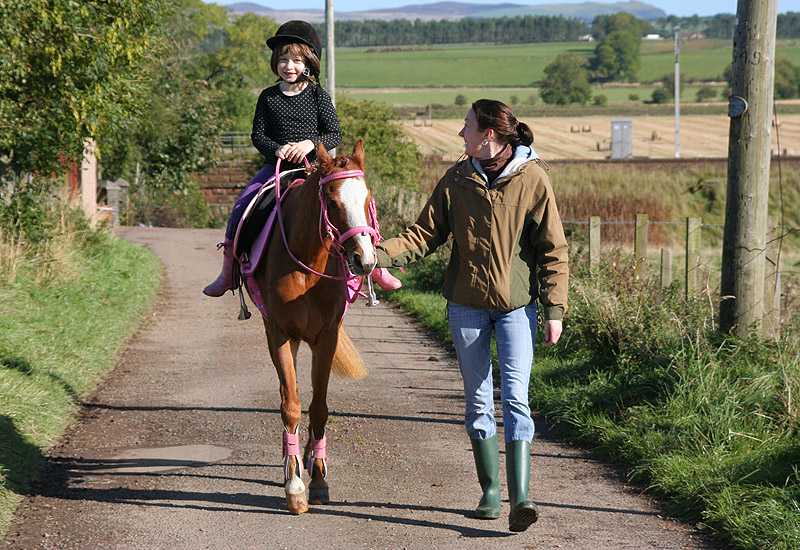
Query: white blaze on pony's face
point(354, 197)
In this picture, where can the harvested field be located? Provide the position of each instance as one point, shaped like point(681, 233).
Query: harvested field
point(586, 137)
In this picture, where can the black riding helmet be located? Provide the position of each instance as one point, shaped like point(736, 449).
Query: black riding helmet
point(297, 31)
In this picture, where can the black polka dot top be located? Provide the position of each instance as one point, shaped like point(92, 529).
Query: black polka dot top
point(280, 119)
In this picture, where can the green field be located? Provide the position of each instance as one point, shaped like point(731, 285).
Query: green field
point(517, 65)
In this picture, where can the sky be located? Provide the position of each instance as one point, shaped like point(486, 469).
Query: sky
point(681, 8)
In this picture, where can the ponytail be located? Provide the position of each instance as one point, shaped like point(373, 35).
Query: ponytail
point(524, 134)
point(498, 116)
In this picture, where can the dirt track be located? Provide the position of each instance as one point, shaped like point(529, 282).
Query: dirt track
point(181, 447)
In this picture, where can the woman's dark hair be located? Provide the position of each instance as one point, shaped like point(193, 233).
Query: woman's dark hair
point(295, 48)
point(497, 116)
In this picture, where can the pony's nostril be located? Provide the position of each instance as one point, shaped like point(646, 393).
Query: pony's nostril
point(359, 265)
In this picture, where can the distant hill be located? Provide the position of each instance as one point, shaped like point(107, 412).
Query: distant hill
point(585, 11)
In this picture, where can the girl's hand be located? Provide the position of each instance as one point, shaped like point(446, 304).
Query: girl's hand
point(295, 152)
point(552, 332)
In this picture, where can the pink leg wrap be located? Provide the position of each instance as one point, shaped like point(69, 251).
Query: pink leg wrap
point(319, 449)
point(291, 447)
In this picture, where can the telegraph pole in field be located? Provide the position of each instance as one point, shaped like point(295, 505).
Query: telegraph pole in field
point(330, 72)
point(677, 91)
point(749, 144)
point(330, 64)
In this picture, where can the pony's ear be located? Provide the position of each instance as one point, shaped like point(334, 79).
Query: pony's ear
point(358, 152)
point(322, 155)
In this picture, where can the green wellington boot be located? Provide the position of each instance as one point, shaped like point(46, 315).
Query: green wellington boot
point(487, 462)
point(518, 471)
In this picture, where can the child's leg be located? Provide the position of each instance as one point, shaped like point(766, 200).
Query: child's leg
point(244, 199)
point(224, 281)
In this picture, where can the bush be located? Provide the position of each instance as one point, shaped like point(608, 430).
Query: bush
point(514, 99)
point(705, 93)
point(532, 99)
point(461, 99)
point(600, 100)
point(661, 95)
point(633, 97)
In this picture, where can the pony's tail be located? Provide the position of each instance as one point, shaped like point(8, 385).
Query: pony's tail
point(347, 362)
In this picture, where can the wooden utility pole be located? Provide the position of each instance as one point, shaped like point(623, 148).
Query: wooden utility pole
point(749, 143)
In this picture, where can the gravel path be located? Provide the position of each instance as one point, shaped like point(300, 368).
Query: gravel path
point(181, 448)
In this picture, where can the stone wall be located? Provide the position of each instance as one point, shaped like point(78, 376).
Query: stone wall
point(222, 184)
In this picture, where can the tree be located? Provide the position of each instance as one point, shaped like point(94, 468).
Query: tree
point(223, 54)
point(200, 85)
point(566, 81)
point(617, 52)
point(392, 158)
point(787, 79)
point(69, 71)
point(788, 25)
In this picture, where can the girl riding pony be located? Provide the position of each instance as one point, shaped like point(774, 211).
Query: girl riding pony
point(290, 118)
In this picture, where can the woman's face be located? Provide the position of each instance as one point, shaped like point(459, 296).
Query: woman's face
point(473, 136)
point(290, 66)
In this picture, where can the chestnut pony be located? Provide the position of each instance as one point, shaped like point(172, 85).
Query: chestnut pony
point(324, 221)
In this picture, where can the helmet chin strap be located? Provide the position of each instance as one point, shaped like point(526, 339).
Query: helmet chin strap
point(304, 75)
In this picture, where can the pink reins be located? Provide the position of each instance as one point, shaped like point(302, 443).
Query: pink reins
point(330, 229)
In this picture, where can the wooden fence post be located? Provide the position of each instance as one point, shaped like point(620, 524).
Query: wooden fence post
point(594, 241)
point(666, 267)
point(692, 255)
point(640, 246)
point(772, 285)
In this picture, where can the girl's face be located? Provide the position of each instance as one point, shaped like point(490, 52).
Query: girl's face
point(291, 66)
point(472, 136)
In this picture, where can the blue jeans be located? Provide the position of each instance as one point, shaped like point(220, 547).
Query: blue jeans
point(515, 332)
point(266, 172)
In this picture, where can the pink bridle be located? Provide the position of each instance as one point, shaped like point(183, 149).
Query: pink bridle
point(330, 230)
point(333, 233)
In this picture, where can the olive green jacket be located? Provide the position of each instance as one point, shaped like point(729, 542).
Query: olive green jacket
point(508, 243)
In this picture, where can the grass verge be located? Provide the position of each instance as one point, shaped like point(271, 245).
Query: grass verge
point(641, 377)
point(67, 307)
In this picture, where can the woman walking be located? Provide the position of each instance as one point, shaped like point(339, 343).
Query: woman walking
point(509, 251)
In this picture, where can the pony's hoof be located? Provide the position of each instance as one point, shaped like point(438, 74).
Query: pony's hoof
point(318, 495)
point(297, 504)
